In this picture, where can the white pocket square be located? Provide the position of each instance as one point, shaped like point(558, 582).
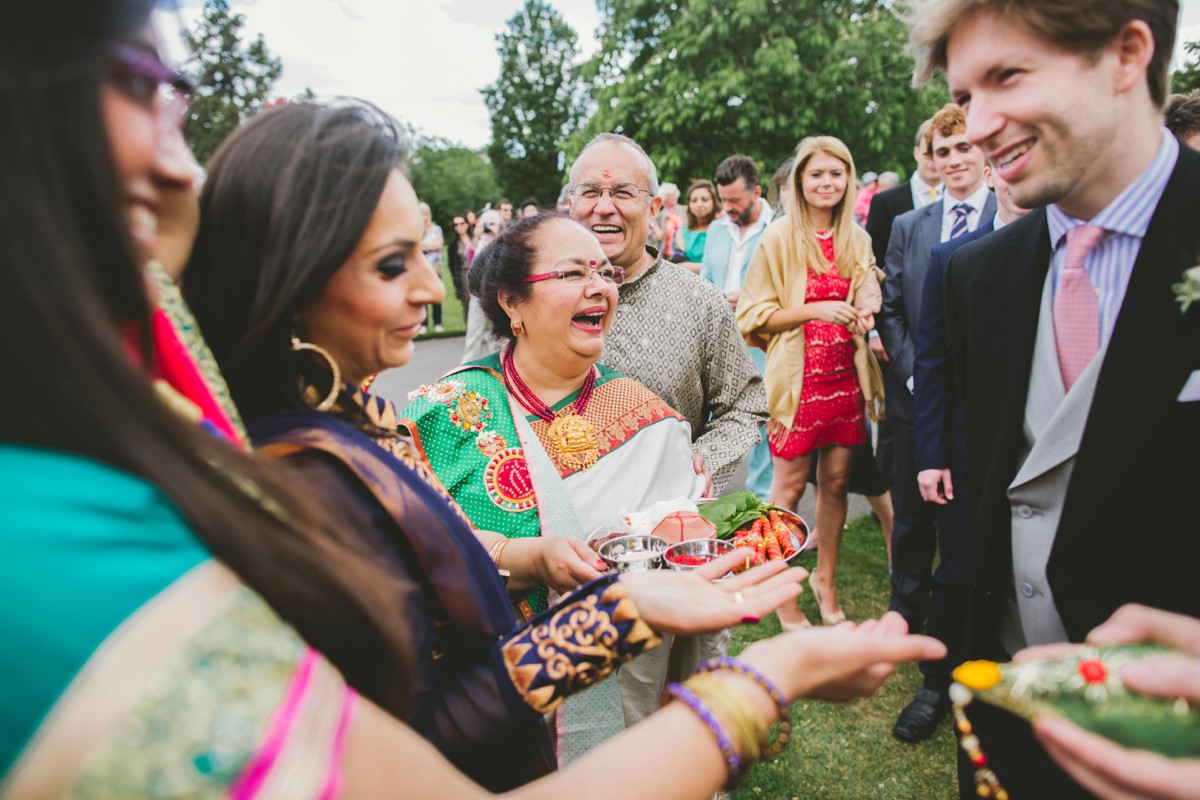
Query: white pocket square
point(1191, 389)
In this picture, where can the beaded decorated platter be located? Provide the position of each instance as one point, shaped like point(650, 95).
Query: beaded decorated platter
point(1084, 687)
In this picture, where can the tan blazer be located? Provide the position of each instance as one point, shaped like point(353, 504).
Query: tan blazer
point(774, 281)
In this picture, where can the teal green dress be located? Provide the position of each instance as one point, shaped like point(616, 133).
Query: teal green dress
point(85, 546)
point(693, 244)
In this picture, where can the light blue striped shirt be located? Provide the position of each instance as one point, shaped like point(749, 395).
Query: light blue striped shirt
point(1126, 218)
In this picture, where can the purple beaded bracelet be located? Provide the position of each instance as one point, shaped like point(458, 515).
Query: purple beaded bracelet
point(732, 763)
point(785, 712)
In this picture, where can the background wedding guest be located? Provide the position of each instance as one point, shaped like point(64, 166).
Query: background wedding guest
point(1182, 117)
point(702, 209)
point(457, 252)
point(779, 190)
point(432, 243)
point(812, 312)
point(529, 208)
point(922, 594)
point(728, 252)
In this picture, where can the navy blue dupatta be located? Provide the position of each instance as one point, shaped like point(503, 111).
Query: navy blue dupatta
point(456, 565)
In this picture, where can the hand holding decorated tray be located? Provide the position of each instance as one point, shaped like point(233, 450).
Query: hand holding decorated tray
point(1083, 686)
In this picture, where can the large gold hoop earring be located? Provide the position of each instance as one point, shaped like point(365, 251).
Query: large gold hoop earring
point(336, 388)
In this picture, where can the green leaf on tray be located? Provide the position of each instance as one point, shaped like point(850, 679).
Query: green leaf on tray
point(732, 511)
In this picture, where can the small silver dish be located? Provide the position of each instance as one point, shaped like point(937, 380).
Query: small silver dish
point(706, 549)
point(634, 553)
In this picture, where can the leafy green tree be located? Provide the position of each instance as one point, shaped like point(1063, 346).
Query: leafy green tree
point(232, 80)
point(1187, 77)
point(451, 178)
point(694, 81)
point(535, 103)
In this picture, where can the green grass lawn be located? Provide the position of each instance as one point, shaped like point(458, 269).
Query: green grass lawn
point(846, 751)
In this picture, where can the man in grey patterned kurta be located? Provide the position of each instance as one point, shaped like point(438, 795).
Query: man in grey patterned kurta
point(675, 333)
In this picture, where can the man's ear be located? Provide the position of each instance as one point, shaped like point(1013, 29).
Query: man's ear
point(1134, 49)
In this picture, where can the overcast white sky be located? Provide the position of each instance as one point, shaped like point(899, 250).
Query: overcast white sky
point(423, 61)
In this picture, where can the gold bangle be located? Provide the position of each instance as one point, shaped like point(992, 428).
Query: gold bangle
point(497, 549)
point(734, 710)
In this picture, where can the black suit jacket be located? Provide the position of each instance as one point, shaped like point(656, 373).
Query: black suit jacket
point(885, 207)
point(1129, 529)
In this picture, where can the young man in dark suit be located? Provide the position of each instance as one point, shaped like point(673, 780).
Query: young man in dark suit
point(919, 593)
point(1079, 370)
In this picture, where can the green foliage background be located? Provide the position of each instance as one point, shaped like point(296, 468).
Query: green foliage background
point(534, 104)
point(232, 79)
point(451, 178)
point(1187, 77)
point(694, 81)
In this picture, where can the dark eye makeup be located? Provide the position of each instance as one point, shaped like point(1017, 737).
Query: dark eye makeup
point(393, 266)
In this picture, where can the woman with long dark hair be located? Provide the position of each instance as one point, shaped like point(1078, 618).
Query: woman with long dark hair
point(136, 658)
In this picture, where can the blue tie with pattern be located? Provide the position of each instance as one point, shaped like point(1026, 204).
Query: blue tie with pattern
point(961, 211)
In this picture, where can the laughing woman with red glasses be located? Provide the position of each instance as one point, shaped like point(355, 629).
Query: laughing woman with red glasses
point(541, 443)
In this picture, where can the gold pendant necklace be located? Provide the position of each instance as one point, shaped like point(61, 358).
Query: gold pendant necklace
point(575, 440)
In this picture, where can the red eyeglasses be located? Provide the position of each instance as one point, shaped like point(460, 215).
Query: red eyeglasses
point(582, 275)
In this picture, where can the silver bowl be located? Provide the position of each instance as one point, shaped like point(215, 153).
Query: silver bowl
point(635, 553)
point(606, 533)
point(708, 549)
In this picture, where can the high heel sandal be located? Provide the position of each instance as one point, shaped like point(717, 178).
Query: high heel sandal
point(827, 618)
point(795, 626)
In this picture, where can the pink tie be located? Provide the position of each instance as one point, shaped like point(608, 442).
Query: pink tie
point(1076, 312)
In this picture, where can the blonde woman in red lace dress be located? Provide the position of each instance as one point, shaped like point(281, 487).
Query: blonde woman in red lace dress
point(810, 294)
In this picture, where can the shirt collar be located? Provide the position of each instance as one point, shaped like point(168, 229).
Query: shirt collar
point(766, 215)
point(1129, 212)
point(921, 186)
point(658, 259)
point(976, 200)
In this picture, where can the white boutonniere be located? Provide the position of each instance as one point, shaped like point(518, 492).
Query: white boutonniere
point(1187, 291)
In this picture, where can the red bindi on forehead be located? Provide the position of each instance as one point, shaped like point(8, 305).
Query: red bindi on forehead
point(607, 174)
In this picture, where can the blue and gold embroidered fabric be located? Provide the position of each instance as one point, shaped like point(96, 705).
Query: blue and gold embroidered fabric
point(576, 643)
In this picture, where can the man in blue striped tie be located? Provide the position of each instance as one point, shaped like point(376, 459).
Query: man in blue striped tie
point(926, 598)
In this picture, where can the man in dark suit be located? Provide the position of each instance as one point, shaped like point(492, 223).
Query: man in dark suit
point(1079, 371)
point(923, 188)
point(941, 460)
point(966, 204)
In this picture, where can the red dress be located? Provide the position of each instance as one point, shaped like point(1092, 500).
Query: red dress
point(831, 402)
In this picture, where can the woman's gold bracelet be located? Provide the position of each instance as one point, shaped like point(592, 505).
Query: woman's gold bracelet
point(497, 549)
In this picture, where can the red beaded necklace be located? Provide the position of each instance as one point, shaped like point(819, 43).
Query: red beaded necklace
point(573, 436)
point(532, 403)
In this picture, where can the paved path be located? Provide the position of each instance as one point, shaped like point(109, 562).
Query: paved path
point(434, 357)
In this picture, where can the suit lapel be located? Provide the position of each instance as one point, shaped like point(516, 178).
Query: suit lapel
point(1149, 358)
point(1004, 318)
point(929, 231)
point(989, 211)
